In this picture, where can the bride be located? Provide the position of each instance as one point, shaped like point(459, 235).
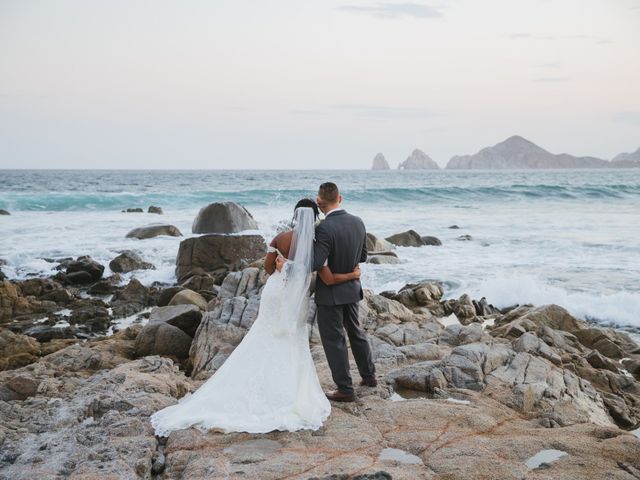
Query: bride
point(269, 381)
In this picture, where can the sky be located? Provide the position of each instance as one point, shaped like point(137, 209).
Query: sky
point(311, 84)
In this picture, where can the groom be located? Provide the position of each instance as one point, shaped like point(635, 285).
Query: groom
point(341, 242)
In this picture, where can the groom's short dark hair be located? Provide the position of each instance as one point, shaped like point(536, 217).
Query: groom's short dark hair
point(329, 192)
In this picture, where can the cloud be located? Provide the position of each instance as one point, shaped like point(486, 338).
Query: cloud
point(551, 79)
point(627, 117)
point(395, 10)
point(377, 111)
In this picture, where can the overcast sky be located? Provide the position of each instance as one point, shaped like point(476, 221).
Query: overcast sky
point(311, 84)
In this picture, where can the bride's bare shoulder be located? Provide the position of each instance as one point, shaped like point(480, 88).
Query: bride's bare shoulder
point(282, 241)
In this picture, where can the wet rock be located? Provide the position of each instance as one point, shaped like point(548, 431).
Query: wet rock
point(432, 241)
point(410, 238)
point(4, 212)
point(94, 316)
point(463, 308)
point(46, 333)
point(224, 217)
point(154, 230)
point(483, 308)
point(105, 286)
point(128, 261)
point(218, 254)
point(154, 209)
point(131, 299)
point(464, 238)
point(383, 260)
point(133, 210)
point(83, 270)
point(424, 294)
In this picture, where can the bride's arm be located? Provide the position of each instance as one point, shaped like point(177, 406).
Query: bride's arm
point(270, 259)
point(330, 278)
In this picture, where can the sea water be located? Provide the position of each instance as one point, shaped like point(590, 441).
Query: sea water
point(570, 237)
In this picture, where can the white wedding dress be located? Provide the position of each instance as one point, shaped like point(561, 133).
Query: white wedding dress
point(269, 382)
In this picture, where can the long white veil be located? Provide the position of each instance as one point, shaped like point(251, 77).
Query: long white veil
point(297, 270)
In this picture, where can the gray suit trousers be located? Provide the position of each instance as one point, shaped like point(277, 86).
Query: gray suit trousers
point(332, 319)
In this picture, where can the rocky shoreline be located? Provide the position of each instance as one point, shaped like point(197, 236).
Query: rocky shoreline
point(465, 390)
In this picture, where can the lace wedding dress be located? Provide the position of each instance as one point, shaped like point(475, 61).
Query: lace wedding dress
point(269, 382)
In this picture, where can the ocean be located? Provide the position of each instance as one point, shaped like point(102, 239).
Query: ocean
point(570, 237)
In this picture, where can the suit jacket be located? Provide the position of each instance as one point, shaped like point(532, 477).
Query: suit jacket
point(341, 239)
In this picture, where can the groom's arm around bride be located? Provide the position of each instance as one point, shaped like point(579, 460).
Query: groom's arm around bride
point(341, 244)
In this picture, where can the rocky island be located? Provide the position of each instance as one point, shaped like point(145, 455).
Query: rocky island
point(380, 163)
point(517, 152)
point(418, 160)
point(466, 390)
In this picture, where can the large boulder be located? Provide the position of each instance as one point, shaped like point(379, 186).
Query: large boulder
point(83, 270)
point(161, 338)
point(154, 230)
point(128, 261)
point(218, 254)
point(375, 244)
point(410, 238)
point(189, 297)
point(185, 317)
point(224, 217)
point(434, 241)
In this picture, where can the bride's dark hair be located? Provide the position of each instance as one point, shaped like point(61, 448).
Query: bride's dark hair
point(307, 202)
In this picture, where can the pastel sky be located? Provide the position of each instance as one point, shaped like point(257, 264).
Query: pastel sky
point(311, 84)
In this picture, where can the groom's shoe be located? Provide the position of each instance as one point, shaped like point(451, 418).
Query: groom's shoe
point(339, 396)
point(369, 382)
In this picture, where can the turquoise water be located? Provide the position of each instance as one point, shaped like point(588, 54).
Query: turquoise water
point(564, 236)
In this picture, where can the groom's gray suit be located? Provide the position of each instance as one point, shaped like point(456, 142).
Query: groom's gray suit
point(341, 241)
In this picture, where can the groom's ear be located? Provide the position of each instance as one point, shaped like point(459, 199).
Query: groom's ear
point(339, 198)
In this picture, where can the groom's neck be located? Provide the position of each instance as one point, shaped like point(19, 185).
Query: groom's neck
point(331, 208)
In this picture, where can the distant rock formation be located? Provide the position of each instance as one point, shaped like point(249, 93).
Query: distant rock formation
point(625, 160)
point(380, 163)
point(418, 160)
point(516, 152)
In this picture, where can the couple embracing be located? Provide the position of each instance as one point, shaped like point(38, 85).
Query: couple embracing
point(269, 381)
